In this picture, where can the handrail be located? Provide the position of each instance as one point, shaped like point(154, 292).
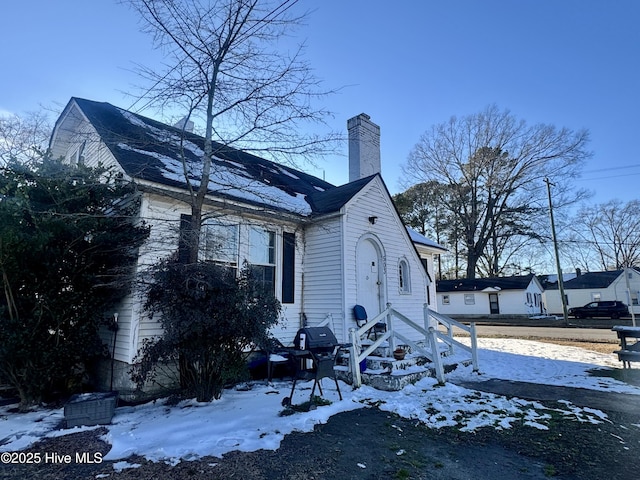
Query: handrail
point(448, 323)
point(430, 332)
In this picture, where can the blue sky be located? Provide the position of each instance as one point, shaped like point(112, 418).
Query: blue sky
point(408, 64)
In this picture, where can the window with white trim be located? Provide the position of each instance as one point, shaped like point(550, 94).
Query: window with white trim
point(469, 299)
point(219, 243)
point(262, 257)
point(404, 277)
point(446, 299)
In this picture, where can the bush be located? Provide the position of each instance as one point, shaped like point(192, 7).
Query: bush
point(210, 319)
point(68, 244)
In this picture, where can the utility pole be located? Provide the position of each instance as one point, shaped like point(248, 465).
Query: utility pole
point(633, 316)
point(555, 248)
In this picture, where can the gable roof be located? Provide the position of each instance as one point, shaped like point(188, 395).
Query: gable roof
point(150, 150)
point(420, 239)
point(480, 284)
point(587, 280)
point(333, 199)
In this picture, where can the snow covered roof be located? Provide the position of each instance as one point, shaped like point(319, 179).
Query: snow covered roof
point(422, 240)
point(150, 150)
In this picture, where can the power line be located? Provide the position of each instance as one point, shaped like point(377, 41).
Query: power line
point(608, 169)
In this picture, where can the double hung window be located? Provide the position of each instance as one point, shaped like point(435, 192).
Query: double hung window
point(262, 257)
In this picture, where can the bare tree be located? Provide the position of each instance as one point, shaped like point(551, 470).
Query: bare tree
point(611, 232)
point(225, 68)
point(494, 164)
point(23, 138)
point(423, 207)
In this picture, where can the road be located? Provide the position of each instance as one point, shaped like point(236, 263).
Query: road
point(583, 334)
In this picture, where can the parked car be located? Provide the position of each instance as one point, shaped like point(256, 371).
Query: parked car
point(613, 309)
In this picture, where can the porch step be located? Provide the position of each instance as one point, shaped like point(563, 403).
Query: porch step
point(390, 364)
point(389, 374)
point(392, 380)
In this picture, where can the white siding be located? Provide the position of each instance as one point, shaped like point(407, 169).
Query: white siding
point(373, 200)
point(579, 297)
point(323, 275)
point(74, 134)
point(163, 216)
point(457, 305)
point(511, 302)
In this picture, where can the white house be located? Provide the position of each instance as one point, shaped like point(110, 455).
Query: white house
point(321, 248)
point(428, 251)
point(582, 288)
point(518, 295)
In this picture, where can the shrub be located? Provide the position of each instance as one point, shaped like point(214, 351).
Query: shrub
point(68, 244)
point(210, 317)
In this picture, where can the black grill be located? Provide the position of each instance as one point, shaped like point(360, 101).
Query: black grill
point(315, 339)
point(318, 346)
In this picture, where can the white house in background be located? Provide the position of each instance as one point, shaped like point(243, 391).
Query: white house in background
point(428, 251)
point(321, 248)
point(582, 288)
point(518, 295)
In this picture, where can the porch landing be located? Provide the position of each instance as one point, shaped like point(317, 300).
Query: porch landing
point(383, 372)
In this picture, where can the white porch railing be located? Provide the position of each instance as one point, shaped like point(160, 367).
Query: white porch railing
point(429, 330)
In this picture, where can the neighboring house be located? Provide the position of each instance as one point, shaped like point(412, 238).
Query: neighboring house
point(518, 295)
point(428, 251)
point(582, 288)
point(320, 248)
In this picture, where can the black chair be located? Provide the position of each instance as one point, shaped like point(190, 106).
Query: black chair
point(277, 354)
point(360, 314)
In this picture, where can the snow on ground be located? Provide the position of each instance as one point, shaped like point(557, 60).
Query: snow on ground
point(544, 363)
point(248, 419)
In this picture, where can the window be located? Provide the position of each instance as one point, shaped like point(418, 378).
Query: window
point(425, 264)
point(77, 157)
point(469, 299)
point(529, 300)
point(262, 256)
point(73, 158)
point(219, 243)
point(446, 299)
point(596, 296)
point(404, 278)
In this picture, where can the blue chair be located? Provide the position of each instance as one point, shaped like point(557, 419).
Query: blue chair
point(360, 314)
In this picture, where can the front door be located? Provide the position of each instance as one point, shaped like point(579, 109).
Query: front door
point(369, 288)
point(494, 307)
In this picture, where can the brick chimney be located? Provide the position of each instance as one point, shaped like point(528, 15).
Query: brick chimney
point(364, 147)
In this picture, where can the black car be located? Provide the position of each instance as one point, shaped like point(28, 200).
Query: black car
point(613, 309)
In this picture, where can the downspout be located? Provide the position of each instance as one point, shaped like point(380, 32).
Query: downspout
point(343, 257)
point(302, 317)
point(114, 328)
